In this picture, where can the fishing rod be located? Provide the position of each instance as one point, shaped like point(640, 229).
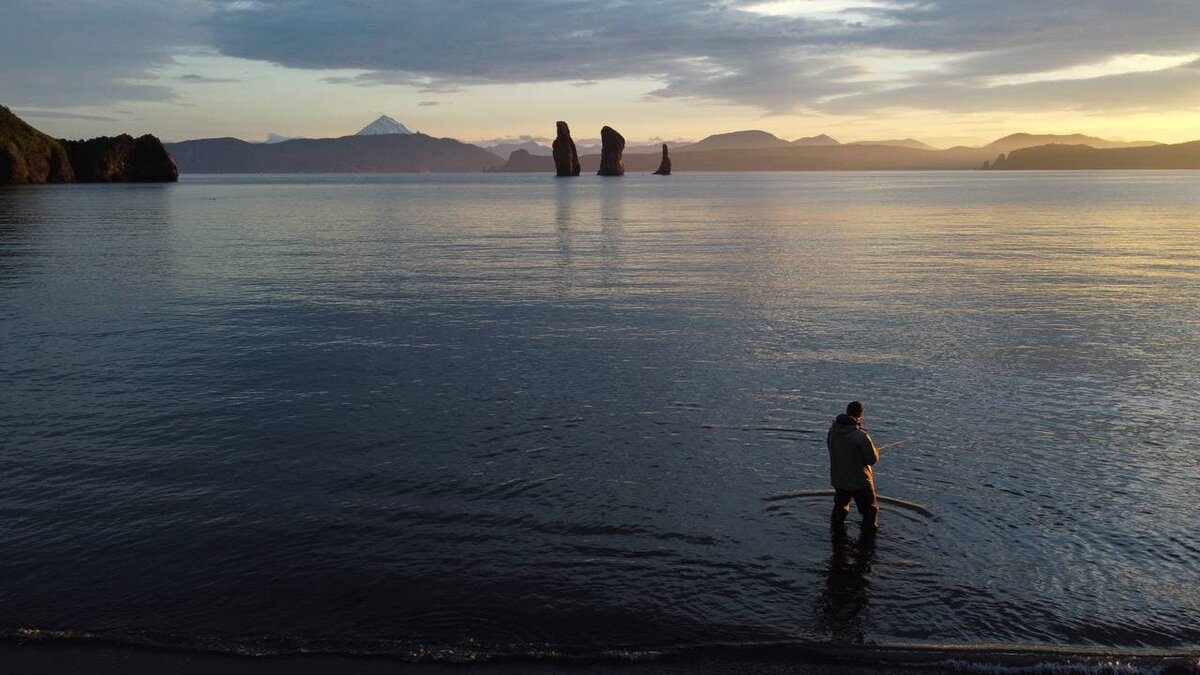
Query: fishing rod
point(905, 441)
point(751, 428)
point(894, 444)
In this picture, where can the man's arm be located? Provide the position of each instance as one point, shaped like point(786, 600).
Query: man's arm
point(870, 453)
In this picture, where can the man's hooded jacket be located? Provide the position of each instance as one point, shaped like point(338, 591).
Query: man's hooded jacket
point(851, 454)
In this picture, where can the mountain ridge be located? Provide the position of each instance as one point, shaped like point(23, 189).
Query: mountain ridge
point(819, 140)
point(899, 143)
point(1085, 157)
point(1024, 140)
point(746, 150)
point(375, 153)
point(741, 140)
point(873, 157)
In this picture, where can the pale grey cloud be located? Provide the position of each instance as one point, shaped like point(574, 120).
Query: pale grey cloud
point(775, 85)
point(66, 53)
point(523, 138)
point(423, 83)
point(1022, 36)
point(1166, 89)
point(62, 115)
point(695, 48)
point(193, 78)
point(60, 53)
point(705, 49)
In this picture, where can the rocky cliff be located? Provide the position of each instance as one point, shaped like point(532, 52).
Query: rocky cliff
point(29, 156)
point(121, 159)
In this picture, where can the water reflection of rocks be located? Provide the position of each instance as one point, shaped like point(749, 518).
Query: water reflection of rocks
point(842, 608)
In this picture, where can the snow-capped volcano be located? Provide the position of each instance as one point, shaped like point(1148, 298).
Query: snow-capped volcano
point(383, 125)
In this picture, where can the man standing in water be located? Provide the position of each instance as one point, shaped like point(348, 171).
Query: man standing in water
point(851, 455)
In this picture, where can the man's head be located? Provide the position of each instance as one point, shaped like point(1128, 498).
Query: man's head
point(854, 409)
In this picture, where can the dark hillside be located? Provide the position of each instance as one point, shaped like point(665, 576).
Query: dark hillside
point(29, 156)
point(1177, 156)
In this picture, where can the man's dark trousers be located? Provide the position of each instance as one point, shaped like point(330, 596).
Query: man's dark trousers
point(866, 501)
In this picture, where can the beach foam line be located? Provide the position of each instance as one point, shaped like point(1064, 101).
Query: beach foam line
point(981, 658)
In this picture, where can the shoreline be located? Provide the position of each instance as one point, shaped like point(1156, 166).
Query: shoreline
point(37, 655)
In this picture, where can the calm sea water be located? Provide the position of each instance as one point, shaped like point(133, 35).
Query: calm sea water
point(464, 415)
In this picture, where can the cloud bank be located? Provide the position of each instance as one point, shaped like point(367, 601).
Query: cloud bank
point(787, 56)
point(726, 51)
point(71, 53)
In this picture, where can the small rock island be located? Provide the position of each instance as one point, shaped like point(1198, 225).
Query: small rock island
point(30, 156)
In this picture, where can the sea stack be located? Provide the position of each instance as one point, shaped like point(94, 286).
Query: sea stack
point(612, 149)
point(664, 168)
point(566, 160)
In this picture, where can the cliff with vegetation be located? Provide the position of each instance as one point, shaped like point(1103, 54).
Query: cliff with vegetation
point(30, 156)
point(121, 159)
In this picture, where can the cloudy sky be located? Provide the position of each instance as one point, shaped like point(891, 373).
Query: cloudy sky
point(944, 71)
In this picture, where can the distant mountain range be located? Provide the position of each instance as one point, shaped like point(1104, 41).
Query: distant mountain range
point(386, 145)
point(899, 143)
point(1061, 157)
point(1018, 141)
point(736, 140)
point(383, 153)
point(848, 157)
point(757, 150)
point(746, 140)
point(815, 140)
point(382, 126)
point(739, 140)
point(383, 146)
point(505, 149)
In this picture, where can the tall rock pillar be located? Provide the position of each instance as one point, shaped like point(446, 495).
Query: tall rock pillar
point(612, 149)
point(664, 168)
point(566, 159)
